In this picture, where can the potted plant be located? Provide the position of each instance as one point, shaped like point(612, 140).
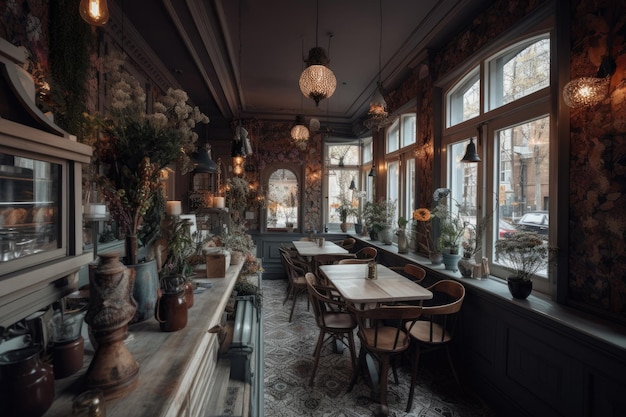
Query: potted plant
point(379, 218)
point(358, 215)
point(403, 242)
point(345, 209)
point(451, 227)
point(423, 236)
point(130, 149)
point(522, 253)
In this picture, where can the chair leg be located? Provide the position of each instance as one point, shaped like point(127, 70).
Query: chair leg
point(357, 371)
point(384, 371)
point(352, 351)
point(316, 360)
point(456, 377)
point(293, 305)
point(413, 377)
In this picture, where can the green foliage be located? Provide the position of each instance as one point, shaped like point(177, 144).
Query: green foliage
point(379, 214)
point(523, 253)
point(180, 246)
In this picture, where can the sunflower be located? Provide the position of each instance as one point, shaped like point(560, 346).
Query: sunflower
point(421, 214)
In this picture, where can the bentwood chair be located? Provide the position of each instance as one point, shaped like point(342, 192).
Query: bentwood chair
point(354, 261)
point(384, 335)
point(332, 318)
point(297, 282)
point(414, 272)
point(436, 328)
point(329, 259)
point(367, 252)
point(348, 243)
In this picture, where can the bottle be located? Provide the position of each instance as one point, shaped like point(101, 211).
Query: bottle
point(372, 272)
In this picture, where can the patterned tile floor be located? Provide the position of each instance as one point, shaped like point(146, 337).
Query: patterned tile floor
point(289, 355)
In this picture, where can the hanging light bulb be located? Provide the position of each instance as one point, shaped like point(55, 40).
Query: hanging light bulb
point(94, 12)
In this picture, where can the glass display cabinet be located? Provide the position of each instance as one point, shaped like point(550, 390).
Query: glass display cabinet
point(41, 247)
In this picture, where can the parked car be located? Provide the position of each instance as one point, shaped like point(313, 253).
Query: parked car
point(506, 229)
point(534, 221)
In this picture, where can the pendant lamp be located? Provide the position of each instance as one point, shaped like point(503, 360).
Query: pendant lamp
point(317, 81)
point(377, 116)
point(94, 12)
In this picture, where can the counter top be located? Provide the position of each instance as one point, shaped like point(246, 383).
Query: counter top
point(167, 361)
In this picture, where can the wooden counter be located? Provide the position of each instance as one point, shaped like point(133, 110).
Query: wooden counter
point(175, 369)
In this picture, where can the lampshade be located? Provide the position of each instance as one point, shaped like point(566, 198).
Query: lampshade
point(377, 115)
point(203, 162)
point(237, 148)
point(299, 131)
point(352, 185)
point(470, 153)
point(94, 12)
point(317, 81)
point(585, 91)
point(372, 171)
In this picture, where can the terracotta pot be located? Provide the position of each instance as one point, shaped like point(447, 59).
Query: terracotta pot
point(26, 383)
point(344, 226)
point(436, 258)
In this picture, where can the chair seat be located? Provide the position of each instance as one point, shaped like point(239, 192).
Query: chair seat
point(385, 339)
point(339, 321)
point(422, 332)
point(299, 281)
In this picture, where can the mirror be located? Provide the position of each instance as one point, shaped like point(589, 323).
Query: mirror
point(282, 212)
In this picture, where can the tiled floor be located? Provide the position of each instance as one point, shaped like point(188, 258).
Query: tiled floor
point(289, 354)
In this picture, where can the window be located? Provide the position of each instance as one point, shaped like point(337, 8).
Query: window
point(400, 163)
point(343, 166)
point(282, 199)
point(510, 189)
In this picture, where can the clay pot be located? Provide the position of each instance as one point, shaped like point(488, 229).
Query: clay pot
point(171, 310)
point(26, 383)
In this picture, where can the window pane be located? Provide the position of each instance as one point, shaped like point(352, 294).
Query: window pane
point(463, 180)
point(520, 72)
point(523, 179)
point(338, 186)
point(343, 154)
point(282, 204)
point(409, 189)
point(393, 136)
point(464, 99)
point(393, 183)
point(367, 151)
point(408, 130)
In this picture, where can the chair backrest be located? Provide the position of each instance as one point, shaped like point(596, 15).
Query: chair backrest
point(293, 271)
point(321, 299)
point(367, 252)
point(354, 261)
point(449, 296)
point(384, 329)
point(348, 243)
point(416, 273)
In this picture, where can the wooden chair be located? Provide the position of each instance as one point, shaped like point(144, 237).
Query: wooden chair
point(328, 259)
point(436, 329)
point(348, 243)
point(414, 272)
point(354, 261)
point(297, 281)
point(332, 318)
point(367, 252)
point(384, 334)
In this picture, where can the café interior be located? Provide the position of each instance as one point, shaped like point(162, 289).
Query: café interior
point(315, 155)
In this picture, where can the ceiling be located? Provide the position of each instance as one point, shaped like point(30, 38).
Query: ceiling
point(244, 58)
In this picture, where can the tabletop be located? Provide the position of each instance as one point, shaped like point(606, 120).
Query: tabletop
point(311, 248)
point(352, 283)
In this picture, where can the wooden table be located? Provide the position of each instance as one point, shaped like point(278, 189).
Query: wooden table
point(312, 249)
point(352, 283)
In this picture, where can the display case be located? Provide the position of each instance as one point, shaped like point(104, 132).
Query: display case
point(40, 199)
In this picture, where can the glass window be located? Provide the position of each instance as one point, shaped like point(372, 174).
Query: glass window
point(408, 129)
point(520, 71)
point(409, 188)
point(393, 137)
point(282, 199)
point(509, 191)
point(367, 150)
point(464, 99)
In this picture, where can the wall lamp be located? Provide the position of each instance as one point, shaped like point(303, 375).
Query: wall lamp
point(94, 12)
point(587, 91)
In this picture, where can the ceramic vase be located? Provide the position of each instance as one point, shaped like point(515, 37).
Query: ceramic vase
point(436, 258)
point(450, 261)
point(26, 383)
point(171, 310)
point(386, 235)
point(145, 289)
point(403, 241)
point(466, 266)
point(113, 369)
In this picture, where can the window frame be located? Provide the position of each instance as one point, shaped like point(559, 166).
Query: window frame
point(536, 104)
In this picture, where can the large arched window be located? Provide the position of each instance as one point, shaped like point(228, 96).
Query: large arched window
point(503, 103)
point(283, 200)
